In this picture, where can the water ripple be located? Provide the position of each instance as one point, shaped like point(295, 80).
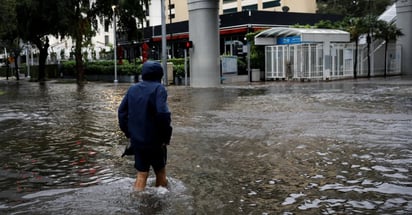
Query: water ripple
point(313, 148)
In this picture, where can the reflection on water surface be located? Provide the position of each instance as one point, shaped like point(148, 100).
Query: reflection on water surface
point(277, 148)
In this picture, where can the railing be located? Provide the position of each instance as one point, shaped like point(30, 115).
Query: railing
point(308, 61)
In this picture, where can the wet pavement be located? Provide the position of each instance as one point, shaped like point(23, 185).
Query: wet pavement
point(341, 147)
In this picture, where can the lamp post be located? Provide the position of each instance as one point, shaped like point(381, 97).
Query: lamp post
point(172, 55)
point(249, 26)
point(28, 47)
point(164, 47)
point(114, 44)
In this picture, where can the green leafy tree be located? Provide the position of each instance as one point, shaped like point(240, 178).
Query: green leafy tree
point(83, 14)
point(387, 31)
point(80, 23)
point(131, 11)
point(368, 22)
point(36, 20)
point(353, 8)
point(9, 38)
point(365, 13)
point(325, 24)
point(356, 27)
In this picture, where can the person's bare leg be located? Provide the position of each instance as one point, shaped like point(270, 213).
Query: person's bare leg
point(161, 177)
point(141, 179)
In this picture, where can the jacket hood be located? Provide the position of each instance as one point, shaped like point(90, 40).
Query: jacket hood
point(152, 71)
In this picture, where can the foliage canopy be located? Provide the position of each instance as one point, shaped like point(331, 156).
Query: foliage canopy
point(35, 20)
point(353, 8)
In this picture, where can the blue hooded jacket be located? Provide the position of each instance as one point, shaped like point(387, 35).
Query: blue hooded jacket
point(143, 114)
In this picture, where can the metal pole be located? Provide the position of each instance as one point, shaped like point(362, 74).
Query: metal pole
point(172, 55)
point(185, 67)
point(27, 60)
point(249, 47)
point(114, 44)
point(248, 62)
point(31, 58)
point(164, 47)
point(7, 63)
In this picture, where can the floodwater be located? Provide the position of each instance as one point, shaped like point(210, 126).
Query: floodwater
point(341, 147)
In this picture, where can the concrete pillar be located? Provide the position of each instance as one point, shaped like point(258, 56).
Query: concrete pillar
point(204, 32)
point(403, 21)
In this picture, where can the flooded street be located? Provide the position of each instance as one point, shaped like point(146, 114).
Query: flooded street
point(342, 147)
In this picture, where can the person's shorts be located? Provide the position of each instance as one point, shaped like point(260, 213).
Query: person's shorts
point(146, 157)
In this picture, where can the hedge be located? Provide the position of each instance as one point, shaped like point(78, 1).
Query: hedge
point(104, 67)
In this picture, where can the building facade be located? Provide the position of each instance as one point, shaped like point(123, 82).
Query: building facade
point(177, 10)
point(230, 6)
point(237, 17)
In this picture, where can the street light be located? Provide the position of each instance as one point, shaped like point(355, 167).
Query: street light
point(164, 54)
point(171, 34)
point(28, 47)
point(114, 44)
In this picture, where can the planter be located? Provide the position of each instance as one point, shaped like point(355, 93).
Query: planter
point(255, 74)
point(181, 81)
point(126, 78)
point(110, 78)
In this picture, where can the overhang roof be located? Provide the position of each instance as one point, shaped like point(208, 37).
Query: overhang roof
point(389, 15)
point(254, 19)
point(268, 37)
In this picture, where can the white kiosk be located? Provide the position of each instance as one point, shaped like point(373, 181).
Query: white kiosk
point(304, 53)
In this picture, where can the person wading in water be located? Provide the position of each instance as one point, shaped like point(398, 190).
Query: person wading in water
point(144, 117)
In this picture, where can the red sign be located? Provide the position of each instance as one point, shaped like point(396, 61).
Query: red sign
point(145, 49)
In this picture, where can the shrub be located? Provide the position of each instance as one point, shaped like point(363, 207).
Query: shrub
point(104, 67)
point(177, 61)
point(179, 67)
point(127, 69)
point(68, 68)
point(179, 70)
point(257, 53)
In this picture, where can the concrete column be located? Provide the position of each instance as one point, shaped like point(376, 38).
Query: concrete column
point(204, 32)
point(403, 21)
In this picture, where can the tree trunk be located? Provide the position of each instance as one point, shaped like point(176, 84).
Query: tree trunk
point(355, 62)
point(368, 39)
point(386, 53)
point(7, 68)
point(16, 67)
point(42, 63)
point(42, 57)
point(79, 60)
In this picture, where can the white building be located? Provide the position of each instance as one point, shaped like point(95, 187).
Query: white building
point(63, 48)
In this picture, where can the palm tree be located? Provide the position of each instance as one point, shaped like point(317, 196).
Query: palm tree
point(356, 27)
point(387, 31)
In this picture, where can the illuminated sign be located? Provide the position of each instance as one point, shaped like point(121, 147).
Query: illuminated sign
point(288, 40)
